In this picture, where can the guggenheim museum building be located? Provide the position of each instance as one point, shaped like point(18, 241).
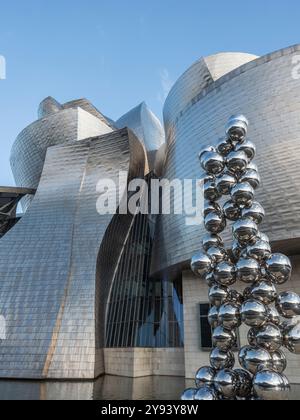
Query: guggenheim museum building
point(84, 294)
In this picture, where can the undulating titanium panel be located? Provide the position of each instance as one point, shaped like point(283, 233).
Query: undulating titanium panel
point(57, 264)
point(195, 113)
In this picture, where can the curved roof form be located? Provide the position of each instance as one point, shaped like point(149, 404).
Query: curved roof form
point(147, 127)
point(198, 77)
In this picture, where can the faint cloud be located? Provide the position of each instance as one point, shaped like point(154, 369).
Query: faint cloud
point(166, 85)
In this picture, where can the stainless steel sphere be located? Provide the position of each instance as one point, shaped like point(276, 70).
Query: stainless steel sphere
point(279, 362)
point(212, 162)
point(210, 240)
point(237, 162)
point(224, 147)
point(273, 316)
point(252, 340)
point(291, 337)
point(225, 183)
point(263, 237)
point(220, 359)
point(210, 191)
point(237, 128)
point(201, 264)
point(225, 273)
point(213, 317)
point(245, 231)
point(255, 212)
point(279, 268)
point(269, 337)
point(249, 148)
point(205, 376)
point(288, 304)
point(235, 297)
point(217, 255)
point(232, 211)
point(252, 177)
point(248, 270)
point(227, 383)
point(218, 295)
point(210, 279)
point(224, 339)
point(245, 383)
point(237, 250)
point(254, 313)
point(242, 194)
point(252, 358)
point(215, 223)
point(206, 393)
point(189, 394)
point(211, 207)
point(264, 291)
point(271, 386)
point(229, 316)
point(260, 251)
point(208, 149)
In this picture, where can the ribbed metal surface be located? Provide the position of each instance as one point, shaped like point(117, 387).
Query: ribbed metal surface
point(50, 293)
point(266, 92)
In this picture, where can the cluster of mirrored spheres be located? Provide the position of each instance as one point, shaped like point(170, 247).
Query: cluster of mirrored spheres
point(229, 188)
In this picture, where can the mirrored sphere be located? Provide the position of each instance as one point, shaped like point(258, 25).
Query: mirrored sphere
point(273, 316)
point(222, 359)
point(215, 223)
point(201, 264)
point(264, 291)
point(229, 316)
point(271, 386)
point(249, 148)
point(218, 295)
point(210, 279)
point(245, 231)
point(225, 183)
point(227, 383)
point(269, 337)
point(237, 250)
point(237, 162)
point(254, 313)
point(232, 211)
point(211, 240)
point(209, 149)
point(223, 338)
point(225, 273)
point(255, 212)
point(251, 358)
point(213, 317)
point(288, 304)
point(211, 207)
point(211, 192)
point(291, 338)
point(205, 376)
point(279, 268)
point(252, 166)
point(206, 393)
point(248, 270)
point(263, 237)
point(252, 333)
point(216, 254)
point(252, 177)
point(242, 194)
point(279, 362)
point(224, 147)
point(189, 394)
point(260, 251)
point(245, 383)
point(235, 297)
point(236, 129)
point(212, 162)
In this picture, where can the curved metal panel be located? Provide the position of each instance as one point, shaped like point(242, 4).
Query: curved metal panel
point(266, 91)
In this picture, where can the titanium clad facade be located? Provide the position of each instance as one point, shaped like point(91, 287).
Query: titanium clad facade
point(264, 90)
point(48, 262)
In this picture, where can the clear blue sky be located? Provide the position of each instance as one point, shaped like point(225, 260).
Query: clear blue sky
point(118, 53)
